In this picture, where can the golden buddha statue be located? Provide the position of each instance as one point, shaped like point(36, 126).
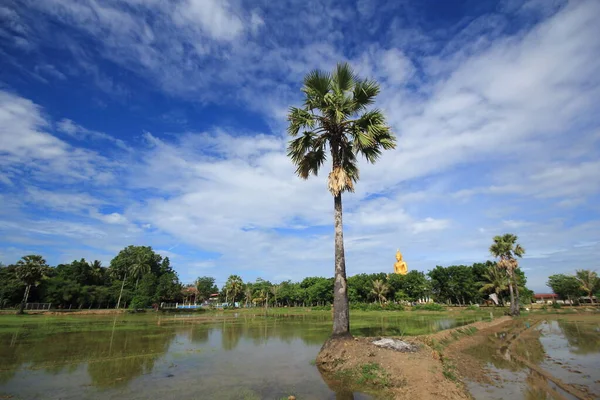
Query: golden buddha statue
point(400, 267)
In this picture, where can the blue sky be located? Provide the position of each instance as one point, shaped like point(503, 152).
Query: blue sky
point(163, 123)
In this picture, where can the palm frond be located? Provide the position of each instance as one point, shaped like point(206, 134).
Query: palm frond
point(317, 83)
point(297, 148)
point(310, 163)
point(300, 119)
point(343, 78)
point(364, 94)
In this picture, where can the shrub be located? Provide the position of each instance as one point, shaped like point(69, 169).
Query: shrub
point(139, 302)
point(429, 307)
point(556, 306)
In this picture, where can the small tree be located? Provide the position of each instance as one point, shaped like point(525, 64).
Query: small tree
point(589, 281)
point(30, 271)
point(495, 281)
point(380, 289)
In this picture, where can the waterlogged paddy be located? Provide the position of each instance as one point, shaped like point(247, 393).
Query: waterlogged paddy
point(230, 356)
point(558, 358)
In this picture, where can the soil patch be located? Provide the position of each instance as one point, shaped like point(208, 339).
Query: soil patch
point(359, 365)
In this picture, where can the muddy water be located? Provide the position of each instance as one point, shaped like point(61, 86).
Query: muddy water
point(182, 357)
point(555, 359)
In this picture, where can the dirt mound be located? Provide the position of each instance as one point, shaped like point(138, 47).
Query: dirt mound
point(359, 365)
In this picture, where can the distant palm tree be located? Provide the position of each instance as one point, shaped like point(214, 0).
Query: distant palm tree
point(248, 295)
point(30, 271)
point(139, 268)
point(589, 281)
point(335, 120)
point(380, 289)
point(496, 281)
point(275, 290)
point(506, 248)
point(97, 271)
point(234, 287)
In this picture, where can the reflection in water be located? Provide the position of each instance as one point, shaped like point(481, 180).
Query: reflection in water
point(165, 356)
point(584, 338)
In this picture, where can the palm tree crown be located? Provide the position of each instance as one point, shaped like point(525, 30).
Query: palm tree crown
point(506, 248)
point(31, 269)
point(380, 289)
point(335, 118)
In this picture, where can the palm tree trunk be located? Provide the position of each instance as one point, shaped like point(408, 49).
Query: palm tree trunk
point(517, 306)
point(341, 315)
point(121, 293)
point(25, 297)
point(512, 298)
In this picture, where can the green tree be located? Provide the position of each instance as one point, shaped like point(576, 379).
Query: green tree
point(415, 285)
point(380, 289)
point(132, 263)
point(205, 286)
point(588, 281)
point(30, 271)
point(234, 288)
point(335, 118)
point(506, 249)
point(565, 286)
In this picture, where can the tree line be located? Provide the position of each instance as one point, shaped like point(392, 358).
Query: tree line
point(456, 284)
point(137, 277)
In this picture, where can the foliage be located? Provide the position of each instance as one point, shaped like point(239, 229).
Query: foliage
point(454, 283)
point(565, 286)
point(588, 281)
point(380, 289)
point(205, 286)
point(234, 287)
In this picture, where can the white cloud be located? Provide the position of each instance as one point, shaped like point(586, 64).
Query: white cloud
point(214, 17)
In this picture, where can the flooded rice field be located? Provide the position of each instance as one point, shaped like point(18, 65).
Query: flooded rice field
point(182, 356)
point(553, 358)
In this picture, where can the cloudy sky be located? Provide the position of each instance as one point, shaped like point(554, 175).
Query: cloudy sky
point(162, 123)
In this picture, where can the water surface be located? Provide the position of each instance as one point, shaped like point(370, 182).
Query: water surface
point(234, 356)
point(564, 350)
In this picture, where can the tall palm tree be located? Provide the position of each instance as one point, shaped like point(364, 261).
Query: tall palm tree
point(589, 281)
point(335, 119)
point(506, 249)
point(380, 289)
point(496, 281)
point(30, 270)
point(234, 287)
